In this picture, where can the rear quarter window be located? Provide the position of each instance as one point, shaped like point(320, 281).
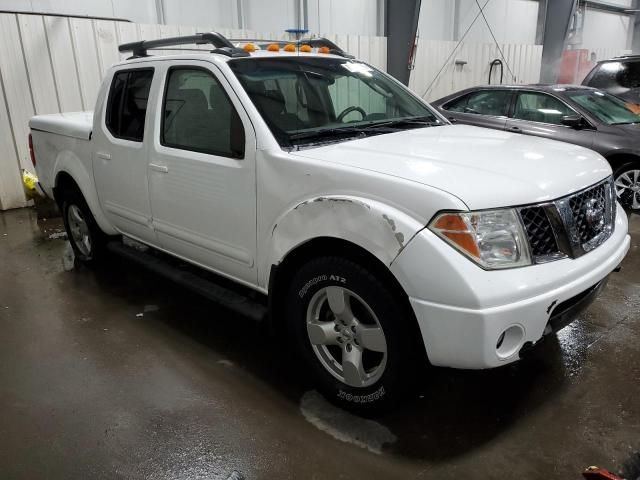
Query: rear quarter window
point(127, 103)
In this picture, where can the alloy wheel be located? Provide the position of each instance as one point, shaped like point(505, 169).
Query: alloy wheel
point(346, 336)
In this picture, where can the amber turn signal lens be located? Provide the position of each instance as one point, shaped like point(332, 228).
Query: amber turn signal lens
point(324, 50)
point(289, 47)
point(305, 48)
point(249, 47)
point(455, 229)
point(274, 47)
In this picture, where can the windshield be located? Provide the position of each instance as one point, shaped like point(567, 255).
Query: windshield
point(317, 100)
point(606, 108)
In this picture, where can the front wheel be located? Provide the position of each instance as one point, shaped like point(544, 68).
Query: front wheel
point(627, 183)
point(353, 334)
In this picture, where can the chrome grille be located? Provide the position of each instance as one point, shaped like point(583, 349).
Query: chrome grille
point(539, 230)
point(580, 205)
point(570, 226)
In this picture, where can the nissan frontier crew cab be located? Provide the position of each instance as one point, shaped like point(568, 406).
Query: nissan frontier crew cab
point(378, 237)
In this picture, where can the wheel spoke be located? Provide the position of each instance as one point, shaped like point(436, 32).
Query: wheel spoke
point(372, 338)
point(336, 297)
point(86, 241)
point(76, 215)
point(322, 333)
point(352, 368)
point(636, 200)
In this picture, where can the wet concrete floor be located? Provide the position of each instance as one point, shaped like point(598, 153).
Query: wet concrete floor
point(116, 373)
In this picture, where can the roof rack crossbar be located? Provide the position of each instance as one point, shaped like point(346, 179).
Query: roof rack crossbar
point(221, 44)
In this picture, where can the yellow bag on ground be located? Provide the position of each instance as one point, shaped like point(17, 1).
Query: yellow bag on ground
point(30, 182)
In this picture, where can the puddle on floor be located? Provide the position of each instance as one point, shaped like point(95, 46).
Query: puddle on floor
point(343, 425)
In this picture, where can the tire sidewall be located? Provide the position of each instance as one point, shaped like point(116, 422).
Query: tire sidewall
point(619, 171)
point(330, 271)
point(71, 199)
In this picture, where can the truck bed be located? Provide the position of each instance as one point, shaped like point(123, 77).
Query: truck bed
point(71, 124)
point(62, 141)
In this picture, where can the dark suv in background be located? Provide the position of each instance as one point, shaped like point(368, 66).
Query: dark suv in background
point(619, 76)
point(575, 114)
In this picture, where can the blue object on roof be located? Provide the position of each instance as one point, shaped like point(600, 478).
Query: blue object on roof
point(297, 30)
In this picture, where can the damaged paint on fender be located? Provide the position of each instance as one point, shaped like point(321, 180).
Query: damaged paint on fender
point(368, 223)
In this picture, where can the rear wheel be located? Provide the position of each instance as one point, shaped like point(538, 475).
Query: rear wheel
point(86, 238)
point(627, 183)
point(352, 333)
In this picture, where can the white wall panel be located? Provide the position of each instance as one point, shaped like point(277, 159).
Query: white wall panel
point(605, 30)
point(436, 19)
point(431, 56)
point(16, 85)
point(107, 44)
point(11, 191)
point(86, 56)
point(38, 61)
point(50, 64)
point(63, 63)
point(512, 21)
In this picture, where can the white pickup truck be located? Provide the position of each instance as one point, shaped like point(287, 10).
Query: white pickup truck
point(378, 236)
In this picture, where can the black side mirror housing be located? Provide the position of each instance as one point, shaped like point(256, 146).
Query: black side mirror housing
point(574, 121)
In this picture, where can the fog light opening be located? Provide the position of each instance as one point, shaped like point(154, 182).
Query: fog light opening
point(509, 341)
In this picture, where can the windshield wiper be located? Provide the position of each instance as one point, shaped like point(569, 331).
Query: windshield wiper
point(411, 121)
point(328, 132)
point(363, 130)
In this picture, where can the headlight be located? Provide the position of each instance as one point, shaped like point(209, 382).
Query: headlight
point(492, 238)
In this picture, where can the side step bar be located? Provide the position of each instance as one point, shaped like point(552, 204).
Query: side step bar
point(231, 299)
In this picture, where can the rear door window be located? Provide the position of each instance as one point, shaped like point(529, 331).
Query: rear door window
point(127, 103)
point(540, 107)
point(485, 102)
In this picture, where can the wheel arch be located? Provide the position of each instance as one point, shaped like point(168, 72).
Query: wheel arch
point(617, 159)
point(327, 246)
point(72, 178)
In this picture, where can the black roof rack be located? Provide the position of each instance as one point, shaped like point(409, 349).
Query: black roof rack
point(221, 44)
point(312, 42)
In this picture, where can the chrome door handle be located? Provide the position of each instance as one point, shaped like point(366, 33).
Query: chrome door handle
point(103, 155)
point(159, 168)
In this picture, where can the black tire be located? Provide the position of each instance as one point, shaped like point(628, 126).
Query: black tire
point(621, 176)
point(72, 200)
point(393, 316)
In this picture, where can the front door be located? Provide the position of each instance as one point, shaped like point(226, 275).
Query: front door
point(202, 173)
point(120, 155)
point(540, 114)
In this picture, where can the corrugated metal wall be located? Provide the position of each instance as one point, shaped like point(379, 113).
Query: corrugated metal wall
point(431, 55)
point(53, 64)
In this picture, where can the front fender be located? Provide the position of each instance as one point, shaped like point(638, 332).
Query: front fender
point(378, 228)
point(70, 163)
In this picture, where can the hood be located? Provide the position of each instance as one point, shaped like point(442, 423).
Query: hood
point(484, 168)
point(629, 131)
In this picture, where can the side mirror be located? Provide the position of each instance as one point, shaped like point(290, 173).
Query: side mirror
point(573, 121)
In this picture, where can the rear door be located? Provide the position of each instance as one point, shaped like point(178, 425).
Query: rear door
point(202, 172)
point(540, 114)
point(121, 152)
point(483, 108)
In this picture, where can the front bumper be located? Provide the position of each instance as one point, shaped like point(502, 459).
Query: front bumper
point(463, 311)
